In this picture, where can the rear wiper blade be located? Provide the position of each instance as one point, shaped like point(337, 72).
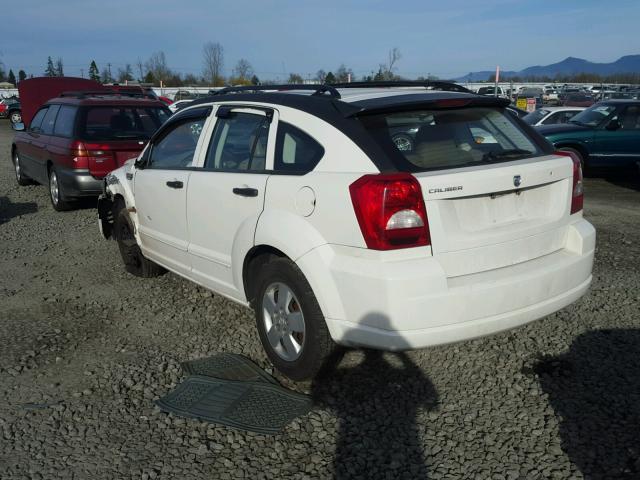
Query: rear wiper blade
point(489, 156)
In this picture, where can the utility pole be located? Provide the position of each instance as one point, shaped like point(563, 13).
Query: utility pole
point(82, 72)
point(109, 70)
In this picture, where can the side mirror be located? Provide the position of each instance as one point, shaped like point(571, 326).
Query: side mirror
point(18, 127)
point(613, 125)
point(139, 163)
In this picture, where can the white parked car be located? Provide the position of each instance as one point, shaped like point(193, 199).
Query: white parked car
point(306, 209)
point(178, 104)
point(551, 115)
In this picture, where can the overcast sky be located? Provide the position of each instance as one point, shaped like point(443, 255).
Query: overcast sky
point(445, 38)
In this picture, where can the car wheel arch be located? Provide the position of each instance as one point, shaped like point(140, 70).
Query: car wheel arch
point(255, 259)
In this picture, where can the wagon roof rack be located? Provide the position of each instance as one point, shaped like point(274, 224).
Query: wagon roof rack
point(443, 85)
point(318, 89)
point(80, 94)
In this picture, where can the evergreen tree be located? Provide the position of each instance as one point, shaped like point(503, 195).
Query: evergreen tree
point(255, 80)
point(59, 68)
point(51, 70)
point(330, 78)
point(22, 75)
point(12, 77)
point(93, 71)
point(106, 78)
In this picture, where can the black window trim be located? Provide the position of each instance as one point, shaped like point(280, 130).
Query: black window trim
point(52, 105)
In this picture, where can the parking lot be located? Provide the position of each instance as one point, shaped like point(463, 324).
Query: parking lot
point(87, 348)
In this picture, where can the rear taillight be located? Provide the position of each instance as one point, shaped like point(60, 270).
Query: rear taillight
point(85, 154)
point(577, 193)
point(390, 210)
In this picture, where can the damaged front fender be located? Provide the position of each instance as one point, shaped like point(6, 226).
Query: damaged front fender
point(105, 216)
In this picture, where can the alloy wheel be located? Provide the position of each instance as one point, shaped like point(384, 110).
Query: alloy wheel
point(283, 321)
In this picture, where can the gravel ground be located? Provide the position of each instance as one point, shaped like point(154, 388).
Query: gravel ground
point(85, 349)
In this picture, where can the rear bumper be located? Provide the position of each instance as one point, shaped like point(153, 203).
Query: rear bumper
point(78, 183)
point(411, 303)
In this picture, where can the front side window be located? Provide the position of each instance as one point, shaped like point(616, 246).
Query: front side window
point(439, 139)
point(49, 120)
point(295, 150)
point(239, 143)
point(36, 121)
point(593, 116)
point(177, 147)
point(121, 123)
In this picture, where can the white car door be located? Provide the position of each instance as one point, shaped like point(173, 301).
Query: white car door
point(226, 196)
point(161, 191)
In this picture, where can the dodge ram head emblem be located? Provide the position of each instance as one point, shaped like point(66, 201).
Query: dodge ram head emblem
point(517, 180)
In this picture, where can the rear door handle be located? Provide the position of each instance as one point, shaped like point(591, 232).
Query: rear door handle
point(246, 191)
point(175, 184)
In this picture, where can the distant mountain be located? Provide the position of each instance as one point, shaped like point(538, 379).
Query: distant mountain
point(568, 66)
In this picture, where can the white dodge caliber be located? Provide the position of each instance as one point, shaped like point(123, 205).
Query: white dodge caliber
point(392, 216)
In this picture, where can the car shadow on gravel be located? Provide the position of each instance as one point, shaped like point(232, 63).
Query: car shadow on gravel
point(594, 389)
point(376, 400)
point(10, 210)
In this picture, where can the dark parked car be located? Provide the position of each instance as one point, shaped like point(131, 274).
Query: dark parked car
point(10, 108)
point(605, 135)
point(578, 100)
point(74, 140)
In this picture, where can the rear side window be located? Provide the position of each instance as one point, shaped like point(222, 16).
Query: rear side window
point(36, 121)
point(239, 143)
point(121, 123)
point(439, 139)
point(65, 121)
point(295, 150)
point(49, 120)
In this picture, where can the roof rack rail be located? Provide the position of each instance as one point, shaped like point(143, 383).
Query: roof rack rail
point(318, 89)
point(101, 93)
point(447, 86)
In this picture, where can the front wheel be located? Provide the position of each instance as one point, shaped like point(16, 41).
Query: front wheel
point(21, 178)
point(134, 261)
point(290, 323)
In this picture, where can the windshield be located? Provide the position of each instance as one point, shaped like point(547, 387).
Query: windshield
point(121, 123)
point(439, 139)
point(534, 117)
point(593, 116)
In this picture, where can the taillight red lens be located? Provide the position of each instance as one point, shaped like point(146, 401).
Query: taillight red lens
point(390, 211)
point(577, 193)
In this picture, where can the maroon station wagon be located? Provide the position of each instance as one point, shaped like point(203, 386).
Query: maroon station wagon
point(75, 139)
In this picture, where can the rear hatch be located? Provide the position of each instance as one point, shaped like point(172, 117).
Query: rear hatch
point(495, 195)
point(113, 134)
point(499, 215)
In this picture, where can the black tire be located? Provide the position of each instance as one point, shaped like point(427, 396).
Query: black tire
point(21, 178)
point(15, 117)
point(59, 201)
point(579, 155)
point(134, 261)
point(317, 344)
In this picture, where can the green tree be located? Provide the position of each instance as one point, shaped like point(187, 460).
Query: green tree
point(106, 76)
point(11, 78)
point(59, 68)
point(51, 69)
point(22, 75)
point(94, 74)
point(255, 80)
point(330, 78)
point(149, 78)
point(125, 74)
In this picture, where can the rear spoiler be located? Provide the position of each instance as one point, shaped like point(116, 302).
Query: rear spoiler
point(416, 102)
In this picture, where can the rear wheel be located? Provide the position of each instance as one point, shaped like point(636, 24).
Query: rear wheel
point(15, 117)
point(21, 178)
point(290, 323)
point(134, 261)
point(56, 192)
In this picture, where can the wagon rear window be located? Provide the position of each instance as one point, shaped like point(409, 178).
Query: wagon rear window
point(439, 139)
point(121, 123)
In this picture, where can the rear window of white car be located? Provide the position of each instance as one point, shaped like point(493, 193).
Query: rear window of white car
point(424, 140)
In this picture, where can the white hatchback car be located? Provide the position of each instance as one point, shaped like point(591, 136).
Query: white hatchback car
point(308, 209)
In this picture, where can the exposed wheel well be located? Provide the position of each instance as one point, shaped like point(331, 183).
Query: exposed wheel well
point(255, 259)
